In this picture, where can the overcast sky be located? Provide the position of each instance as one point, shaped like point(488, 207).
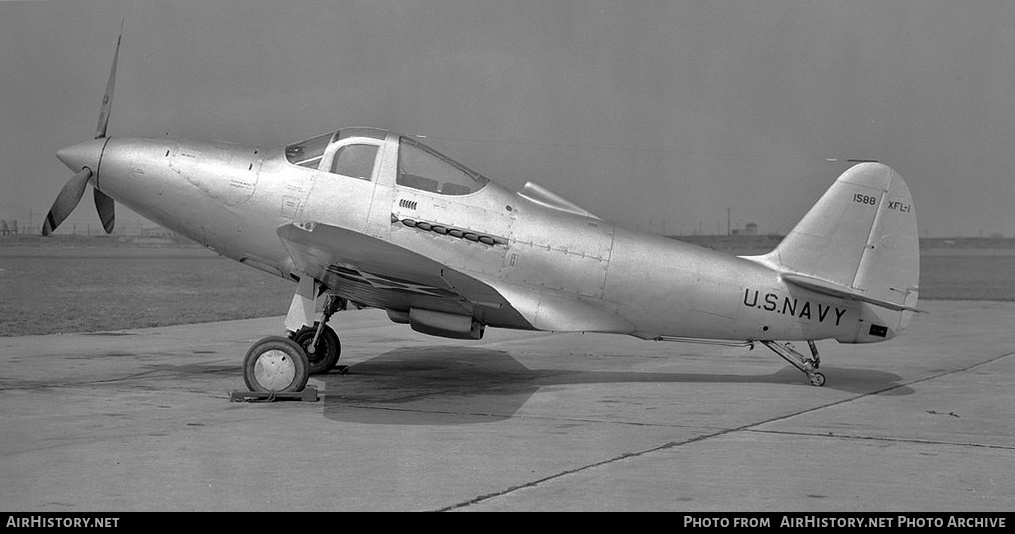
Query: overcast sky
point(645, 113)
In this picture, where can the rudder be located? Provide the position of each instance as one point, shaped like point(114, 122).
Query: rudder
point(860, 237)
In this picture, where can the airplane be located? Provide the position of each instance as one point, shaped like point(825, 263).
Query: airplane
point(372, 218)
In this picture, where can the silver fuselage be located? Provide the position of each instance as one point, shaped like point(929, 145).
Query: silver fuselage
point(234, 198)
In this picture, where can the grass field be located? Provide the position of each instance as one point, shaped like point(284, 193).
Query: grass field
point(65, 288)
point(50, 290)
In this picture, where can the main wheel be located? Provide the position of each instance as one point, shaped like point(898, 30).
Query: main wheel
point(817, 379)
point(326, 353)
point(276, 364)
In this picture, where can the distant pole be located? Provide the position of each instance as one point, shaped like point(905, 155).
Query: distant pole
point(729, 229)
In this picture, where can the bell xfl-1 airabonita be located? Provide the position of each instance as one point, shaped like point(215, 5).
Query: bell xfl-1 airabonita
point(372, 218)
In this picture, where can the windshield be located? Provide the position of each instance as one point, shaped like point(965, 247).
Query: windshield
point(308, 153)
point(422, 167)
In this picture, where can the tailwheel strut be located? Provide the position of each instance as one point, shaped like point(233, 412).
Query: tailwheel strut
point(806, 365)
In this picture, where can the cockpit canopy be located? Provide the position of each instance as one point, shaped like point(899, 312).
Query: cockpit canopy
point(354, 152)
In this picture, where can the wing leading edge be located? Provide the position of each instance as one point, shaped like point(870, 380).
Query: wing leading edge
point(379, 274)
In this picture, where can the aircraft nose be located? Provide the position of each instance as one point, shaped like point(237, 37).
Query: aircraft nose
point(81, 155)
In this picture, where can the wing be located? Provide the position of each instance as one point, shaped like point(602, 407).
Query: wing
point(382, 275)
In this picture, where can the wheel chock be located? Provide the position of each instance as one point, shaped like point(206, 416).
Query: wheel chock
point(309, 394)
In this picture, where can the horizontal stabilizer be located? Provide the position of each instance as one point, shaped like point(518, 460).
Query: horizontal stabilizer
point(835, 290)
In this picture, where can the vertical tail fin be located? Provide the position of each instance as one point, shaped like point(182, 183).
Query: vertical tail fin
point(859, 241)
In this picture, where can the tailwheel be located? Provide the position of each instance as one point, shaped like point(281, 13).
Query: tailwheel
point(807, 365)
point(326, 351)
point(276, 364)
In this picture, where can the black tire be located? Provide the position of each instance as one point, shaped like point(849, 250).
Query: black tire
point(276, 364)
point(328, 350)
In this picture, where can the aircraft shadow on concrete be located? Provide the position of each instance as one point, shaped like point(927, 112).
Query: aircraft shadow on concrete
point(428, 385)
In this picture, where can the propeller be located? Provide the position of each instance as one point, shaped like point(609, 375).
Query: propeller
point(74, 189)
point(66, 201)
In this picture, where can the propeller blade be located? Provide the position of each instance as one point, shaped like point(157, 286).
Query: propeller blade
point(105, 206)
point(107, 98)
point(66, 201)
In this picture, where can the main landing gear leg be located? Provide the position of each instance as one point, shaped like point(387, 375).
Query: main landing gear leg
point(279, 364)
point(320, 342)
point(808, 366)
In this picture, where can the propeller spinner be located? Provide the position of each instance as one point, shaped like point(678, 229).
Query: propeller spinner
point(83, 159)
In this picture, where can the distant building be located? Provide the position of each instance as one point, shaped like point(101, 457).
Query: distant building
point(9, 229)
point(158, 232)
point(751, 229)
